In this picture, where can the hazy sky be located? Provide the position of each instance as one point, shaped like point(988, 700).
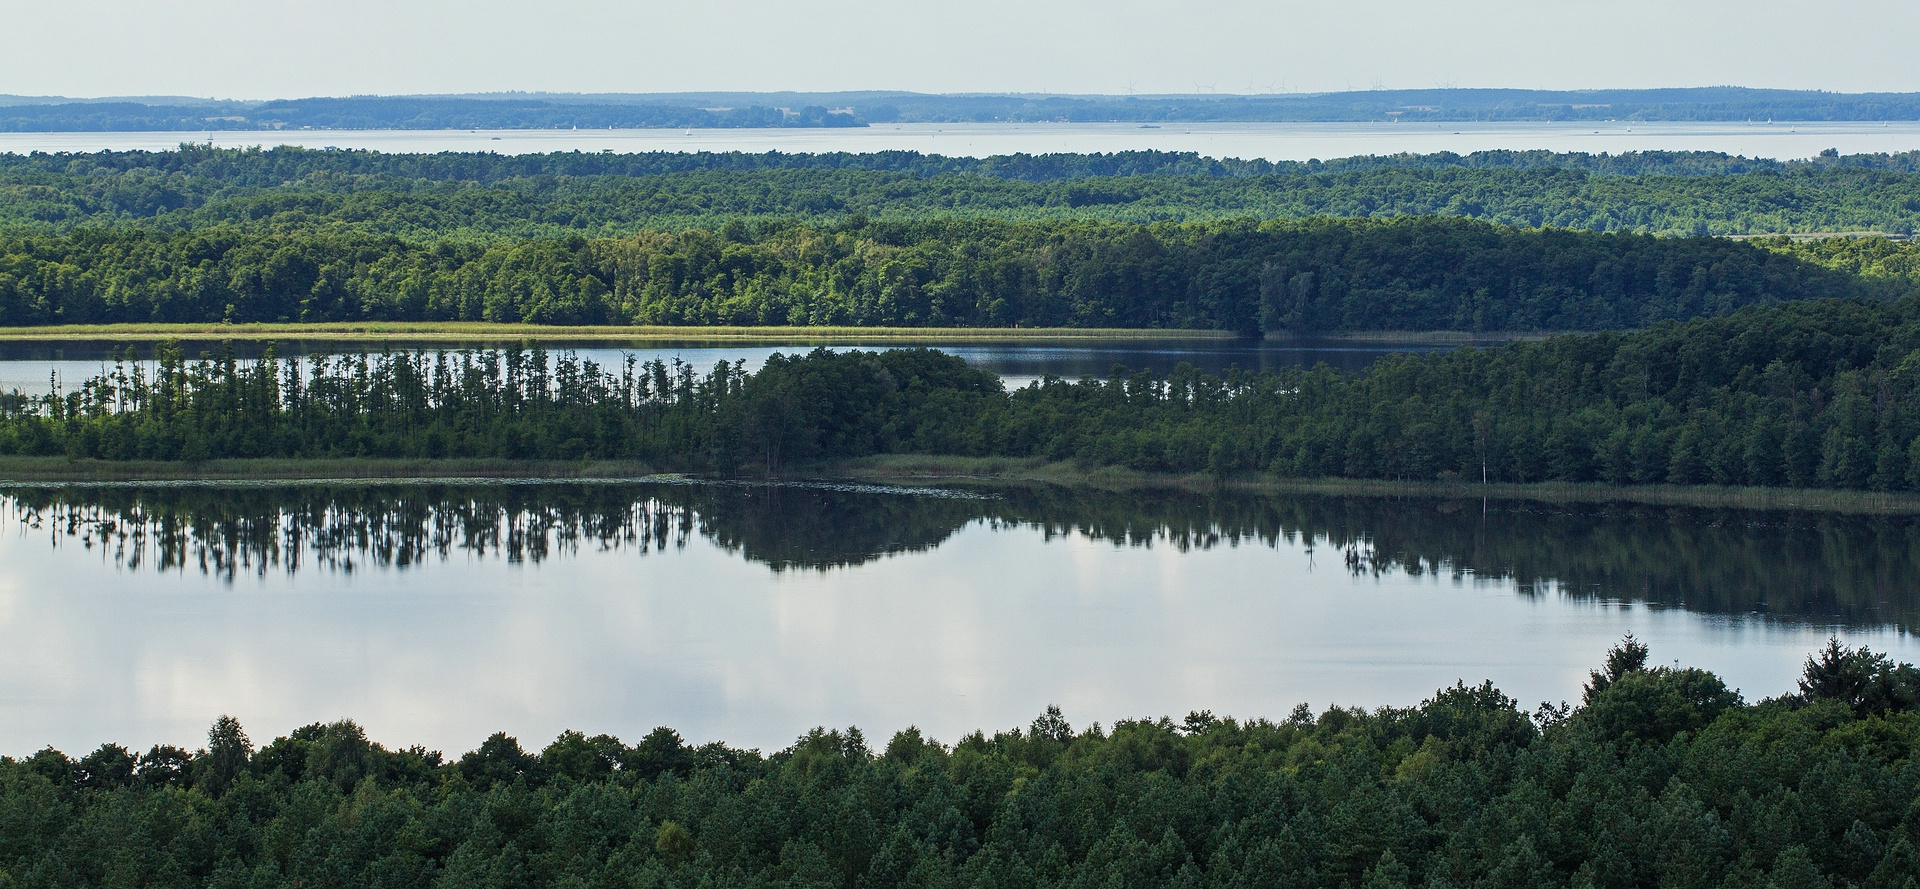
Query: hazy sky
point(253, 49)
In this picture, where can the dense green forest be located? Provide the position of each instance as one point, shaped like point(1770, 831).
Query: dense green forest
point(1661, 776)
point(482, 196)
point(1812, 394)
point(1138, 239)
point(1793, 568)
point(1416, 273)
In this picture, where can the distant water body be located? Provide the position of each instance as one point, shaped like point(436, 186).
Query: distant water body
point(1272, 141)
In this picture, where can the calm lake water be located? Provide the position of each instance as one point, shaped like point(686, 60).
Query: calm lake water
point(1273, 141)
point(436, 614)
point(33, 367)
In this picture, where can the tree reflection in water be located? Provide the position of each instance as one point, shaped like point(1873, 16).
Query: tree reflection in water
point(1794, 567)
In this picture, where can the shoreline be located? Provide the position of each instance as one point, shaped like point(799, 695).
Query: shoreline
point(482, 332)
point(63, 472)
point(478, 331)
point(907, 471)
point(969, 471)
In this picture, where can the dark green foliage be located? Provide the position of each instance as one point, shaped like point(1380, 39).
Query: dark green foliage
point(1134, 239)
point(1654, 705)
point(1416, 273)
point(1860, 679)
point(467, 197)
point(1630, 656)
point(1662, 778)
point(1817, 394)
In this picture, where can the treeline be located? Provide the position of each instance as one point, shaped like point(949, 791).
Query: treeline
point(403, 113)
point(258, 166)
point(1662, 776)
point(1820, 394)
point(481, 196)
point(1755, 106)
point(1417, 273)
point(696, 109)
point(1794, 568)
point(445, 112)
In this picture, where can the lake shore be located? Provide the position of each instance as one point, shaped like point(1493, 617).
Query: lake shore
point(61, 471)
point(479, 331)
point(922, 471)
point(475, 331)
point(1001, 472)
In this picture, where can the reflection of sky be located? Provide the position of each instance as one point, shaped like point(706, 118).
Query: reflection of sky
point(27, 366)
point(982, 632)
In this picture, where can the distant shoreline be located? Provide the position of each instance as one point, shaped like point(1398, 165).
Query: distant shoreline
point(1002, 471)
point(476, 331)
point(910, 471)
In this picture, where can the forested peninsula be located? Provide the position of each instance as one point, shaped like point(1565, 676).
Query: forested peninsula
point(1811, 394)
point(1662, 775)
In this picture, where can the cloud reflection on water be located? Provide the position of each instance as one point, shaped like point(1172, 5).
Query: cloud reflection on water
point(618, 608)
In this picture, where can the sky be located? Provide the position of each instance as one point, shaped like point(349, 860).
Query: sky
point(247, 49)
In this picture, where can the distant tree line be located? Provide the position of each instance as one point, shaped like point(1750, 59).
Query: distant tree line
point(1818, 394)
point(486, 196)
point(274, 166)
point(1661, 776)
point(750, 109)
point(1416, 273)
point(402, 113)
point(1759, 106)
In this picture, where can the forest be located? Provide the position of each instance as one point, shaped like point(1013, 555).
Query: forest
point(1661, 775)
point(1811, 394)
point(1494, 241)
point(1317, 275)
point(483, 196)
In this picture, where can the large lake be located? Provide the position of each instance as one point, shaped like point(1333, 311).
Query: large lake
point(436, 614)
point(1272, 141)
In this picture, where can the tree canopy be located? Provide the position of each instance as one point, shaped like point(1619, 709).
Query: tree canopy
point(1662, 776)
point(1807, 394)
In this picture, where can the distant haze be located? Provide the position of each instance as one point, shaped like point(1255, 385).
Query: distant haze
point(251, 50)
